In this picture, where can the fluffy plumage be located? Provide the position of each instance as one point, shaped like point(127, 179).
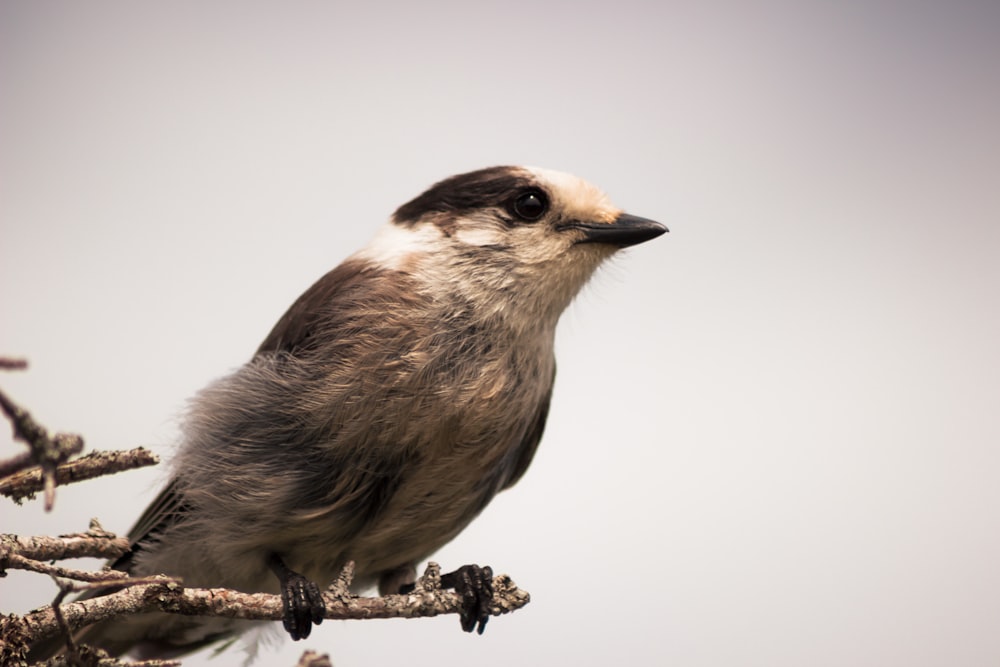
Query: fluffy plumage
point(386, 408)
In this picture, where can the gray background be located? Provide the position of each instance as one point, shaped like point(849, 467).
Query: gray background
point(775, 433)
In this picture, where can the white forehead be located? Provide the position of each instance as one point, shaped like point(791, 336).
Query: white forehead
point(575, 197)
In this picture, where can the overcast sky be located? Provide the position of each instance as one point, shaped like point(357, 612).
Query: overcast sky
point(775, 438)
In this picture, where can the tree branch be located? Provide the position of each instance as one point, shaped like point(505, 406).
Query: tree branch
point(165, 594)
point(28, 482)
point(98, 658)
point(95, 543)
point(10, 364)
point(314, 659)
point(45, 451)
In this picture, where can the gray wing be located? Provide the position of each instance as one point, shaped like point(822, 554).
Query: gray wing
point(526, 452)
point(327, 300)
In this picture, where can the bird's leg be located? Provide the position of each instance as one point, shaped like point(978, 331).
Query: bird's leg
point(400, 580)
point(474, 585)
point(301, 599)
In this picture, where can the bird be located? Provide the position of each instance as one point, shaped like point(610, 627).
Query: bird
point(386, 408)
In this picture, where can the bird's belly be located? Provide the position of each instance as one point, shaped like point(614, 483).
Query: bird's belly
point(428, 509)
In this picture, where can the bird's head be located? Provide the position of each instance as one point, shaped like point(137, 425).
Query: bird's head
point(514, 239)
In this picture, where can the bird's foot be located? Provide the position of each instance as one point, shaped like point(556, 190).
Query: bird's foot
point(300, 598)
point(474, 585)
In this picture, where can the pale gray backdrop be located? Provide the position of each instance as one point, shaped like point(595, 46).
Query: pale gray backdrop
point(776, 432)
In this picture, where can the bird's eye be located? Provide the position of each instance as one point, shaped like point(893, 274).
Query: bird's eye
point(531, 205)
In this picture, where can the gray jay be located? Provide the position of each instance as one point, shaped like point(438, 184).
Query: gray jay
point(396, 397)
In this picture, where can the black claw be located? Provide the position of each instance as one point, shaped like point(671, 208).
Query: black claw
point(475, 586)
point(300, 598)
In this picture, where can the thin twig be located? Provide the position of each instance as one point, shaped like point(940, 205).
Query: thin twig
point(92, 657)
point(95, 657)
point(94, 464)
point(10, 364)
point(95, 543)
point(314, 659)
point(16, 463)
point(16, 562)
point(45, 451)
point(71, 648)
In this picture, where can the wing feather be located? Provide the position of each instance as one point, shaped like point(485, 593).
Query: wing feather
point(526, 451)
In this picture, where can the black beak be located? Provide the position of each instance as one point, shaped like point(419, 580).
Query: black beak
point(625, 230)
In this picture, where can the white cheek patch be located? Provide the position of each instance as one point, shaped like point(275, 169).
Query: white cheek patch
point(393, 244)
point(481, 236)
